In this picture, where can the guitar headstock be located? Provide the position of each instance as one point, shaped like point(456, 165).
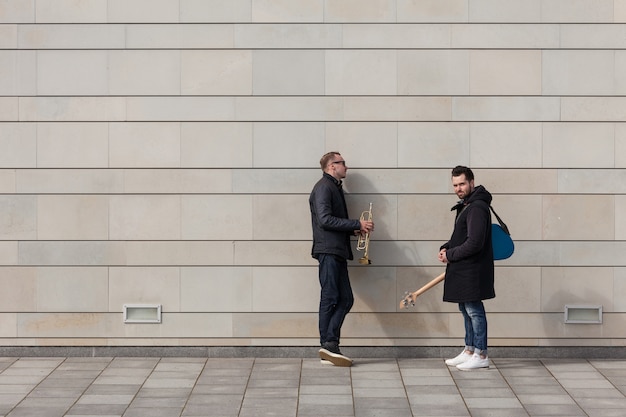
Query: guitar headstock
point(408, 300)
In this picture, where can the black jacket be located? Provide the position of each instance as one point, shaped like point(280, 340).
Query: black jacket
point(469, 273)
point(329, 218)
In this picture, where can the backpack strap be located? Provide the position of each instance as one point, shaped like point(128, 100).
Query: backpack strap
point(502, 224)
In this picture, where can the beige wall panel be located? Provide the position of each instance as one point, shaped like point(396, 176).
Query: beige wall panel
point(142, 145)
point(505, 72)
point(8, 325)
point(410, 279)
point(72, 73)
point(400, 181)
point(289, 109)
point(406, 253)
point(524, 109)
point(215, 11)
point(144, 285)
point(386, 326)
point(202, 145)
point(518, 11)
point(218, 217)
point(73, 109)
point(179, 36)
point(19, 289)
point(290, 35)
point(71, 11)
point(72, 289)
point(7, 181)
point(432, 10)
point(619, 289)
point(578, 145)
point(72, 217)
point(601, 253)
point(396, 36)
point(525, 325)
point(592, 181)
point(274, 181)
point(216, 72)
point(144, 217)
point(535, 253)
point(18, 142)
point(180, 108)
point(575, 217)
point(216, 289)
point(72, 36)
point(17, 11)
point(593, 36)
point(576, 286)
point(72, 145)
point(425, 217)
point(69, 181)
point(433, 144)
point(267, 325)
point(190, 326)
point(280, 217)
point(620, 72)
point(433, 72)
point(179, 253)
point(144, 72)
point(285, 289)
point(541, 181)
point(503, 36)
point(395, 109)
point(134, 11)
point(9, 109)
point(504, 144)
point(173, 181)
point(574, 11)
point(288, 145)
point(360, 143)
point(593, 109)
point(9, 253)
point(269, 253)
point(361, 72)
point(288, 72)
point(575, 72)
point(19, 73)
point(619, 11)
point(64, 325)
point(620, 217)
point(287, 11)
point(518, 290)
point(71, 253)
point(374, 288)
point(8, 35)
point(356, 11)
point(18, 217)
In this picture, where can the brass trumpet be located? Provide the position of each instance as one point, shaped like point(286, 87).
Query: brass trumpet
point(364, 241)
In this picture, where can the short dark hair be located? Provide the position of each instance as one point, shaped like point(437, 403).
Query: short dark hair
point(327, 158)
point(459, 170)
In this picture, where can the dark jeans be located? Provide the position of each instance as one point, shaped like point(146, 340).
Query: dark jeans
point(336, 298)
point(475, 326)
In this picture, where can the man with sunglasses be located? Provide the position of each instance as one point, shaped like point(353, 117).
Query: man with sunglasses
point(332, 229)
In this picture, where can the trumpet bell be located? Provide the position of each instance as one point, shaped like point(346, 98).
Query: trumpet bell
point(365, 261)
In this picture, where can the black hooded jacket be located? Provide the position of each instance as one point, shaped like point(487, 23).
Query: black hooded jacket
point(469, 273)
point(329, 219)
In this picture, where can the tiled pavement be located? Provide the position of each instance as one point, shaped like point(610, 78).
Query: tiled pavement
point(251, 387)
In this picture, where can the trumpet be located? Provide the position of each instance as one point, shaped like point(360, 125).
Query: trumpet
point(364, 240)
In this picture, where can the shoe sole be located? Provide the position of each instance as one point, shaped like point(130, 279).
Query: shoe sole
point(325, 362)
point(482, 368)
point(337, 360)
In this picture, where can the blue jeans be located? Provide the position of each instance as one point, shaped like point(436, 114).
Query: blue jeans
point(475, 326)
point(336, 298)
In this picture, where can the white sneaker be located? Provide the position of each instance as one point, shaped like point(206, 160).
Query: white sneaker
point(325, 362)
point(459, 359)
point(476, 362)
